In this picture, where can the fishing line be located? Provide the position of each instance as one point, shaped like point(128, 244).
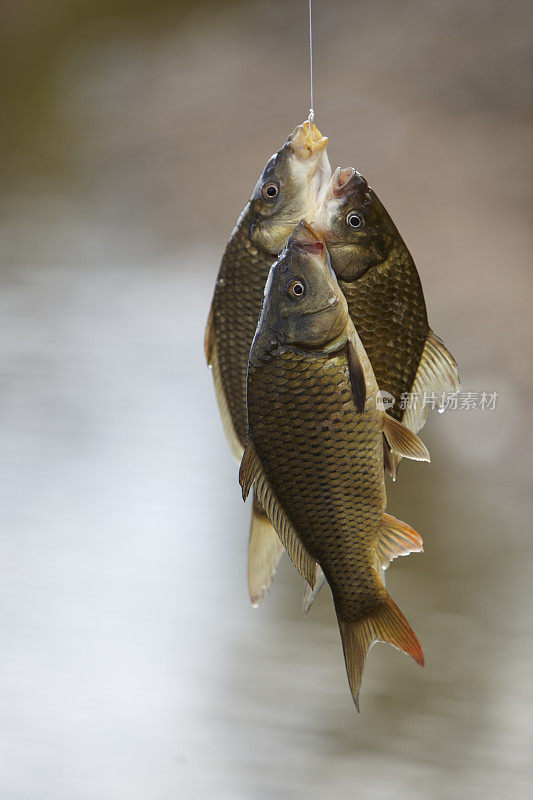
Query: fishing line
point(312, 108)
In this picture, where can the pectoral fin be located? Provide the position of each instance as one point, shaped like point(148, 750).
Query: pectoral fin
point(251, 472)
point(395, 538)
point(403, 441)
point(357, 377)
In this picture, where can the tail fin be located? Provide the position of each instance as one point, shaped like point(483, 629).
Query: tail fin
point(386, 624)
point(264, 553)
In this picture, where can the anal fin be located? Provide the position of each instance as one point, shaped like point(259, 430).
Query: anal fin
point(403, 441)
point(395, 538)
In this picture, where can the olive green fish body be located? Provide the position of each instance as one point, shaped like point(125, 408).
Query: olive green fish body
point(388, 309)
point(314, 451)
point(325, 465)
point(386, 303)
point(289, 189)
point(236, 307)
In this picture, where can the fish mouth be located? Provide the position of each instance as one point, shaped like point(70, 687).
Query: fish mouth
point(332, 303)
point(342, 178)
point(306, 237)
point(306, 140)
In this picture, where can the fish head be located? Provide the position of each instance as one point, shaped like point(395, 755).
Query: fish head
point(291, 187)
point(356, 227)
point(303, 302)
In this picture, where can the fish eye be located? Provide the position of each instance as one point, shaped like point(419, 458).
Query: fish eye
point(296, 289)
point(355, 220)
point(270, 190)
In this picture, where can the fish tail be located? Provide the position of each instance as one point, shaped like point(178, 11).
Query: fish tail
point(264, 553)
point(385, 624)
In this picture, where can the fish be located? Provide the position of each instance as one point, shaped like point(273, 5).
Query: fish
point(380, 281)
point(314, 449)
point(290, 189)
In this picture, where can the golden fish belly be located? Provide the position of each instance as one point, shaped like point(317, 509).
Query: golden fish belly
point(388, 309)
point(324, 461)
point(236, 307)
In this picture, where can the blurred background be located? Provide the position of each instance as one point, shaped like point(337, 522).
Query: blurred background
point(133, 666)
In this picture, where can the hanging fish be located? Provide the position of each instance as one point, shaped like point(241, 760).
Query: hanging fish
point(379, 279)
point(314, 451)
point(289, 190)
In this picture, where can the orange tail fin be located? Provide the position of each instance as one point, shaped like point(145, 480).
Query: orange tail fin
point(386, 624)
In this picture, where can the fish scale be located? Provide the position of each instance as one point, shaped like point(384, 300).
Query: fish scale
point(385, 299)
point(314, 452)
point(387, 307)
point(236, 304)
point(330, 486)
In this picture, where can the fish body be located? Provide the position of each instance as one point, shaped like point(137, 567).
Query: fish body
point(288, 190)
point(315, 448)
point(326, 464)
point(380, 281)
point(235, 310)
point(387, 306)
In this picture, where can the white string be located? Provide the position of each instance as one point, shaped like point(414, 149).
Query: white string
point(312, 108)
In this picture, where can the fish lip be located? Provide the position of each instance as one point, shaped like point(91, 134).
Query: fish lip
point(304, 236)
point(338, 243)
point(304, 226)
point(334, 301)
point(341, 180)
point(306, 140)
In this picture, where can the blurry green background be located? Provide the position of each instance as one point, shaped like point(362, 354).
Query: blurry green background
point(131, 135)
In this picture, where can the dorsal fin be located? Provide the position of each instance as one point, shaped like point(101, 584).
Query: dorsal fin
point(395, 538)
point(251, 473)
point(357, 376)
point(437, 374)
point(403, 441)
